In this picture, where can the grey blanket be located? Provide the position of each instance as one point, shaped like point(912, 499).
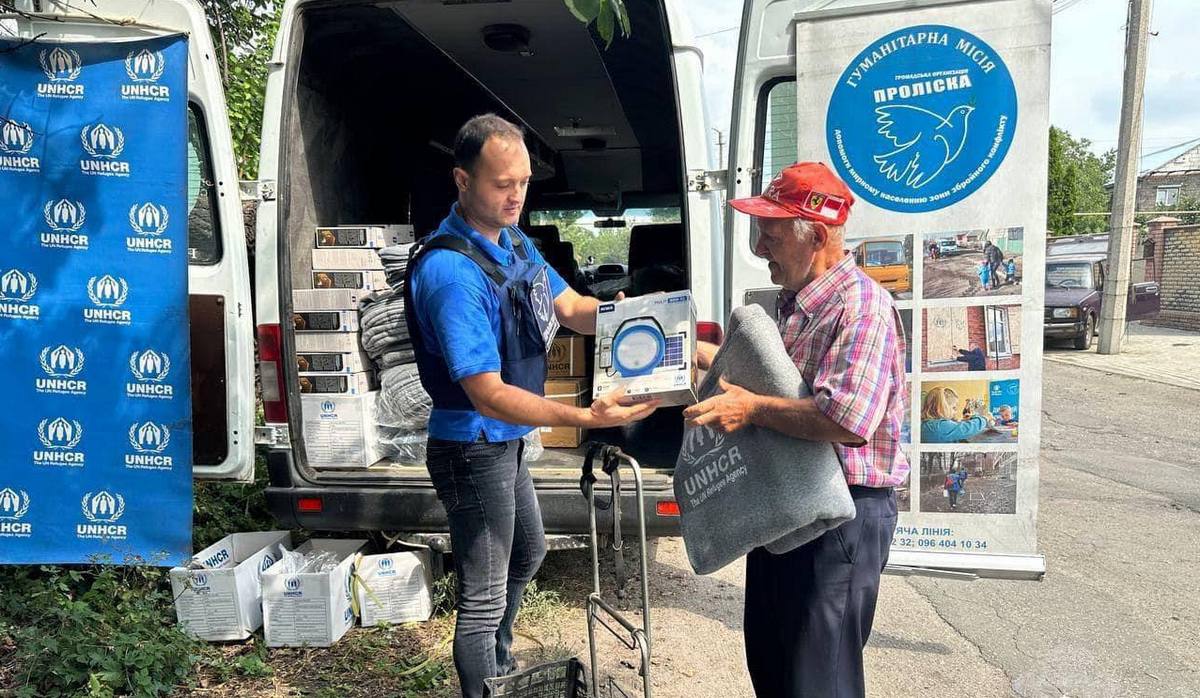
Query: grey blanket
point(755, 487)
point(382, 323)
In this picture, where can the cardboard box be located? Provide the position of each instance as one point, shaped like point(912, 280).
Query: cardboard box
point(367, 236)
point(218, 595)
point(573, 392)
point(333, 362)
point(362, 280)
point(327, 342)
point(325, 321)
point(339, 383)
point(326, 298)
point(567, 357)
point(310, 609)
point(346, 259)
point(646, 346)
point(339, 430)
point(394, 588)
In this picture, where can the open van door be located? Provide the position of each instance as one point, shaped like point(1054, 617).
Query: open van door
point(222, 349)
point(854, 84)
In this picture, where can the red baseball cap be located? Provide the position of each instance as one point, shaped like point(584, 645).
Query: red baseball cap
point(803, 190)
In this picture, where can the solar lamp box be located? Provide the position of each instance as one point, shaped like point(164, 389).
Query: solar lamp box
point(340, 431)
point(346, 259)
point(394, 588)
point(310, 609)
point(566, 391)
point(339, 383)
point(645, 346)
point(218, 594)
point(327, 342)
point(361, 280)
point(333, 362)
point(364, 236)
point(567, 357)
point(305, 299)
point(325, 321)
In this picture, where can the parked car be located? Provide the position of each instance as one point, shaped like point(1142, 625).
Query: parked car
point(885, 261)
point(948, 246)
point(1074, 289)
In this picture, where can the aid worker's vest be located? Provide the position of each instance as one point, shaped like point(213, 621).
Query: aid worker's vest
point(527, 321)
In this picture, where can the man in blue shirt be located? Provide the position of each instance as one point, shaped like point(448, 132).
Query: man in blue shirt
point(483, 310)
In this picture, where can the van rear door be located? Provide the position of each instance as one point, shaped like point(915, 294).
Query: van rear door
point(780, 109)
point(222, 350)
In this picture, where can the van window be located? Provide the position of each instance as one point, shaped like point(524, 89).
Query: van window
point(777, 124)
point(204, 227)
point(597, 240)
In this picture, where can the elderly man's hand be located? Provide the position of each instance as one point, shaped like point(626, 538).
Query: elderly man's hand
point(727, 412)
point(705, 353)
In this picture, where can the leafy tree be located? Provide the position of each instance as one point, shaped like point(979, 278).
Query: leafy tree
point(1076, 185)
point(609, 15)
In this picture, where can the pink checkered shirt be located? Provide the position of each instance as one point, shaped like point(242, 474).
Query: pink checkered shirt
point(840, 330)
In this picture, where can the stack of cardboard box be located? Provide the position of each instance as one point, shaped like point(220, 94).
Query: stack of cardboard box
point(567, 382)
point(337, 379)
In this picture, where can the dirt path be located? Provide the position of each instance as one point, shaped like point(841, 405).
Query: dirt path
point(956, 277)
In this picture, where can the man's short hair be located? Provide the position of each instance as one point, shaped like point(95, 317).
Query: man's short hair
point(476, 132)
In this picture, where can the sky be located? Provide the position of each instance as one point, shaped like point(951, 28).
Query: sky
point(1087, 63)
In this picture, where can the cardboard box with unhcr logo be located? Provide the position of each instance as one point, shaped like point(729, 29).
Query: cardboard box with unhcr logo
point(568, 357)
point(218, 594)
point(312, 606)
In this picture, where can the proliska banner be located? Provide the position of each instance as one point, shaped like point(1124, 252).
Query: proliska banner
point(936, 117)
point(95, 461)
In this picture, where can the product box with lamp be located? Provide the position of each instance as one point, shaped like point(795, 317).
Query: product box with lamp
point(646, 345)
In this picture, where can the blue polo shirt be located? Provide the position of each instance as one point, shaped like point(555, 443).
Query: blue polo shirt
point(458, 316)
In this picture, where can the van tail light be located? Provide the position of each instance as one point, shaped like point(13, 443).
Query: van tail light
point(710, 332)
point(270, 365)
point(310, 505)
point(667, 507)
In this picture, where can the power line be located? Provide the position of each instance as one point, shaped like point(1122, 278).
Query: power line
point(719, 31)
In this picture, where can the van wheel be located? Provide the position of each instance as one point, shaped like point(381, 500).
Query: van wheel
point(1083, 341)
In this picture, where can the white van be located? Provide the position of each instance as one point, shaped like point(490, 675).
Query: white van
point(363, 101)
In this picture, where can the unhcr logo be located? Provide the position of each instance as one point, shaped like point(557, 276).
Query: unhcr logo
point(61, 365)
point(387, 568)
point(64, 218)
point(17, 288)
point(102, 510)
point(145, 68)
point(328, 409)
point(715, 463)
point(14, 505)
point(16, 140)
point(107, 293)
point(59, 437)
point(199, 581)
point(266, 563)
point(293, 586)
point(104, 144)
point(150, 370)
point(149, 221)
point(149, 440)
point(61, 66)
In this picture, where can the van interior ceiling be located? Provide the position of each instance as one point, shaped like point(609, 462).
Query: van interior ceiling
point(383, 87)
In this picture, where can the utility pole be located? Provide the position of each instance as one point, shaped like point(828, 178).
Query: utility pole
point(1121, 225)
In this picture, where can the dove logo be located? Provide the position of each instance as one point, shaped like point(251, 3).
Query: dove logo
point(102, 510)
point(62, 66)
point(64, 218)
point(104, 144)
point(61, 365)
point(149, 440)
point(921, 118)
point(149, 220)
point(145, 68)
point(14, 505)
point(17, 288)
point(16, 140)
point(150, 370)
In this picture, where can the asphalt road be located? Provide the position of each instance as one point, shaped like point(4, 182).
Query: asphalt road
point(1118, 613)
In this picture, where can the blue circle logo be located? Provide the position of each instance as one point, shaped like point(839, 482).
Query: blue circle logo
point(921, 118)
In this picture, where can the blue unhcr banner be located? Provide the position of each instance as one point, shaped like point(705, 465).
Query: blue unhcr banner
point(95, 460)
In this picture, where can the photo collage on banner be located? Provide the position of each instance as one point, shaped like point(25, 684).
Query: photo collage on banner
point(96, 461)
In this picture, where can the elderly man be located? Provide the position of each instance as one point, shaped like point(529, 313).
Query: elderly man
point(483, 307)
point(809, 612)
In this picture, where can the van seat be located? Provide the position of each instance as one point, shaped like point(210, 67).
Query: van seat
point(657, 258)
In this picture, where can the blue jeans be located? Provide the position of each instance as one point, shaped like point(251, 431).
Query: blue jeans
point(499, 543)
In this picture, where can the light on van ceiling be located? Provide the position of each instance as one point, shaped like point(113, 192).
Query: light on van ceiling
point(584, 131)
point(508, 38)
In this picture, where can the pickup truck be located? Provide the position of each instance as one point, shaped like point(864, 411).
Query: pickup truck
point(1074, 288)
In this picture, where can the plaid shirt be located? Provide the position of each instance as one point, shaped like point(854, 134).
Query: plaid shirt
point(840, 330)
